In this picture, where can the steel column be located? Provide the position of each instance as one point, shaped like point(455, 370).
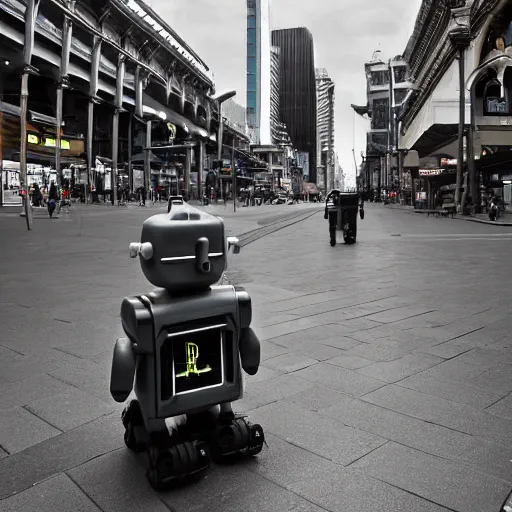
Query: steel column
point(147, 158)
point(186, 178)
point(130, 151)
point(63, 83)
point(93, 89)
point(31, 12)
point(118, 105)
point(200, 167)
point(462, 122)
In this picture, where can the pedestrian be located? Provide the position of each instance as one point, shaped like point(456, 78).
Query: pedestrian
point(37, 196)
point(53, 197)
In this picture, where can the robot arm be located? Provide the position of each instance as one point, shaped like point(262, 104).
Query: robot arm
point(123, 370)
point(250, 350)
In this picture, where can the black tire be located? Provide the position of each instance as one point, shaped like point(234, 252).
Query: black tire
point(132, 418)
point(349, 240)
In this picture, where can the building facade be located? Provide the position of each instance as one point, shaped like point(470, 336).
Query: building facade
point(388, 86)
point(297, 91)
point(326, 159)
point(115, 97)
point(259, 63)
point(465, 42)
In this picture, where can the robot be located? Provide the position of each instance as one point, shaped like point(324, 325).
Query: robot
point(187, 344)
point(341, 211)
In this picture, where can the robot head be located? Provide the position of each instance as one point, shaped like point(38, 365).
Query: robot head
point(184, 249)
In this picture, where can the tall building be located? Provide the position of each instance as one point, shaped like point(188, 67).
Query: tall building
point(297, 91)
point(259, 71)
point(278, 129)
point(326, 160)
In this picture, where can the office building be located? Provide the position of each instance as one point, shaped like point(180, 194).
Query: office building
point(297, 91)
point(326, 159)
point(259, 71)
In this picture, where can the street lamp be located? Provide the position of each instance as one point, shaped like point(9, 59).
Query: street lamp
point(220, 99)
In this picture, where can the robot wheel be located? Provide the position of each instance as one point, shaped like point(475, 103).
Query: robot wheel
point(238, 438)
point(172, 464)
point(133, 422)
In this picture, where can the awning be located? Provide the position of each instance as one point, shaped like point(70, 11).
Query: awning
point(35, 117)
point(309, 188)
point(32, 156)
point(141, 157)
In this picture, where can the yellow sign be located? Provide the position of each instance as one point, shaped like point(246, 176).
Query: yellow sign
point(52, 143)
point(32, 139)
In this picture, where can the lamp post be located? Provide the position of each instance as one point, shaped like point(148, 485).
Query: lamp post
point(220, 100)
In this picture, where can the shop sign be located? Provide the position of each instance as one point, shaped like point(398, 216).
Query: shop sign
point(448, 161)
point(52, 143)
point(430, 172)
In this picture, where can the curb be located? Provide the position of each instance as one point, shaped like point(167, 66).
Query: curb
point(455, 217)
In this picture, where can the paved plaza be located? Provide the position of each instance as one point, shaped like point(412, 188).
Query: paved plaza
point(386, 380)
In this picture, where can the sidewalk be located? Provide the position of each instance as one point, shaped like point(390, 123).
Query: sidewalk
point(479, 218)
point(379, 389)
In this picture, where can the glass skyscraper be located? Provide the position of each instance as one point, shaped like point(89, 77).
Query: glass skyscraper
point(258, 70)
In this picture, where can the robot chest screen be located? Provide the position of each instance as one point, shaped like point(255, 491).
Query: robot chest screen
point(197, 360)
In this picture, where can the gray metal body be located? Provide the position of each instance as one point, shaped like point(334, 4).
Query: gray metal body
point(149, 320)
point(189, 250)
point(183, 252)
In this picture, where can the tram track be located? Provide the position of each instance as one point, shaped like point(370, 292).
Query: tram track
point(269, 228)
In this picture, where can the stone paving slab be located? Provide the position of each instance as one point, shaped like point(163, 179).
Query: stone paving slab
point(58, 493)
point(413, 432)
point(326, 438)
point(446, 483)
point(443, 412)
point(464, 394)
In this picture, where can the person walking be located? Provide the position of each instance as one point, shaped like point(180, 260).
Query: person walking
point(53, 197)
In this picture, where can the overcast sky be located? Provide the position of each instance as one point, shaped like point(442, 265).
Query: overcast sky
point(346, 33)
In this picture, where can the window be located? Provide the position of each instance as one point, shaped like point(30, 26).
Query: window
point(380, 114)
point(379, 78)
point(251, 99)
point(251, 65)
point(251, 22)
point(400, 74)
point(251, 50)
point(494, 104)
point(251, 82)
point(251, 4)
point(400, 95)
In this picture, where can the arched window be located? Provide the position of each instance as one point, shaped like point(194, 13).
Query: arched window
point(494, 104)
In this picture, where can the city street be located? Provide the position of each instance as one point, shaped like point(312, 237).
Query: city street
point(386, 380)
